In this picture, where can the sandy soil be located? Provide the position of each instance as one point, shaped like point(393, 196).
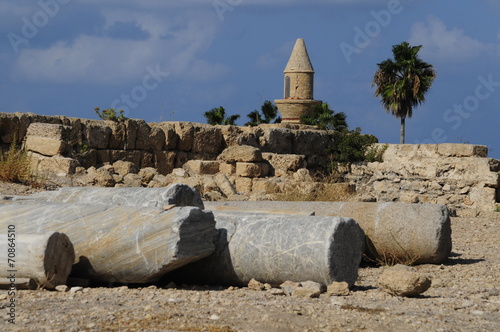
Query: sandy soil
point(465, 296)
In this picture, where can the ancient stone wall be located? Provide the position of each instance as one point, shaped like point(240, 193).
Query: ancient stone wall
point(270, 162)
point(458, 175)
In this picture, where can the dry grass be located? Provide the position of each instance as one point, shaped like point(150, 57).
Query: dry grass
point(15, 167)
point(388, 258)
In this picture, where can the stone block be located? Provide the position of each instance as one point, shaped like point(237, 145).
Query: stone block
point(249, 170)
point(53, 131)
point(147, 174)
point(61, 166)
point(125, 167)
point(185, 132)
point(164, 161)
point(226, 168)
point(149, 138)
point(225, 185)
point(241, 153)
point(9, 128)
point(284, 164)
point(97, 133)
point(277, 140)
point(48, 139)
point(201, 167)
point(243, 185)
point(46, 146)
point(462, 150)
point(207, 138)
point(117, 138)
point(171, 138)
point(401, 280)
point(132, 180)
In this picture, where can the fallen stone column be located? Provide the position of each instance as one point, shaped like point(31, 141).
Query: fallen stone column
point(397, 231)
point(119, 243)
point(178, 194)
point(45, 259)
point(277, 248)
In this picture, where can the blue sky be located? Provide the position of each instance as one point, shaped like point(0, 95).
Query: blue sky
point(164, 60)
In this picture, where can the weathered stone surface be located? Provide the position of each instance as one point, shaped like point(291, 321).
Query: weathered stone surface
point(185, 132)
point(241, 153)
point(283, 164)
point(178, 194)
point(227, 169)
point(338, 289)
point(58, 165)
point(149, 138)
point(97, 133)
point(120, 243)
point(225, 185)
point(249, 170)
point(132, 180)
point(277, 140)
point(289, 286)
point(147, 174)
point(401, 280)
point(45, 258)
point(207, 138)
point(171, 137)
point(407, 231)
point(243, 185)
point(201, 167)
point(104, 178)
point(125, 167)
point(164, 162)
point(256, 285)
point(282, 247)
point(48, 139)
point(422, 173)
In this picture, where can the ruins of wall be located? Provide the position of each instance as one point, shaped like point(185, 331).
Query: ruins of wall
point(457, 175)
point(256, 163)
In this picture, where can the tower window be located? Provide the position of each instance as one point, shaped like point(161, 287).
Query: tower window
point(287, 87)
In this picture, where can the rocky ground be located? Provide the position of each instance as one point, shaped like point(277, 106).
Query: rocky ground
point(464, 296)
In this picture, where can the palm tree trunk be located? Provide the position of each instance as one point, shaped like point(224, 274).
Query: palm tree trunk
point(402, 134)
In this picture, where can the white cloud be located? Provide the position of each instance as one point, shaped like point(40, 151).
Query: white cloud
point(445, 44)
point(174, 43)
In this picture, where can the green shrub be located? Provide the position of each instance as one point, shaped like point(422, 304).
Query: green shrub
point(110, 114)
point(350, 146)
point(375, 153)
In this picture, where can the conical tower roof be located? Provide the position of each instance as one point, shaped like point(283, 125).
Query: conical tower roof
point(299, 60)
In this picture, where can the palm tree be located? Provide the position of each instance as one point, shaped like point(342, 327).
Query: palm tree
point(402, 83)
point(326, 118)
point(269, 113)
point(217, 116)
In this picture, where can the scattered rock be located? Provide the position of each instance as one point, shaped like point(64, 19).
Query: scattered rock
point(74, 290)
point(338, 289)
point(256, 285)
point(241, 153)
point(289, 286)
point(401, 280)
point(62, 288)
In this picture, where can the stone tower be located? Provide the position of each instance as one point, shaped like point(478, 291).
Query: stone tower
point(299, 86)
